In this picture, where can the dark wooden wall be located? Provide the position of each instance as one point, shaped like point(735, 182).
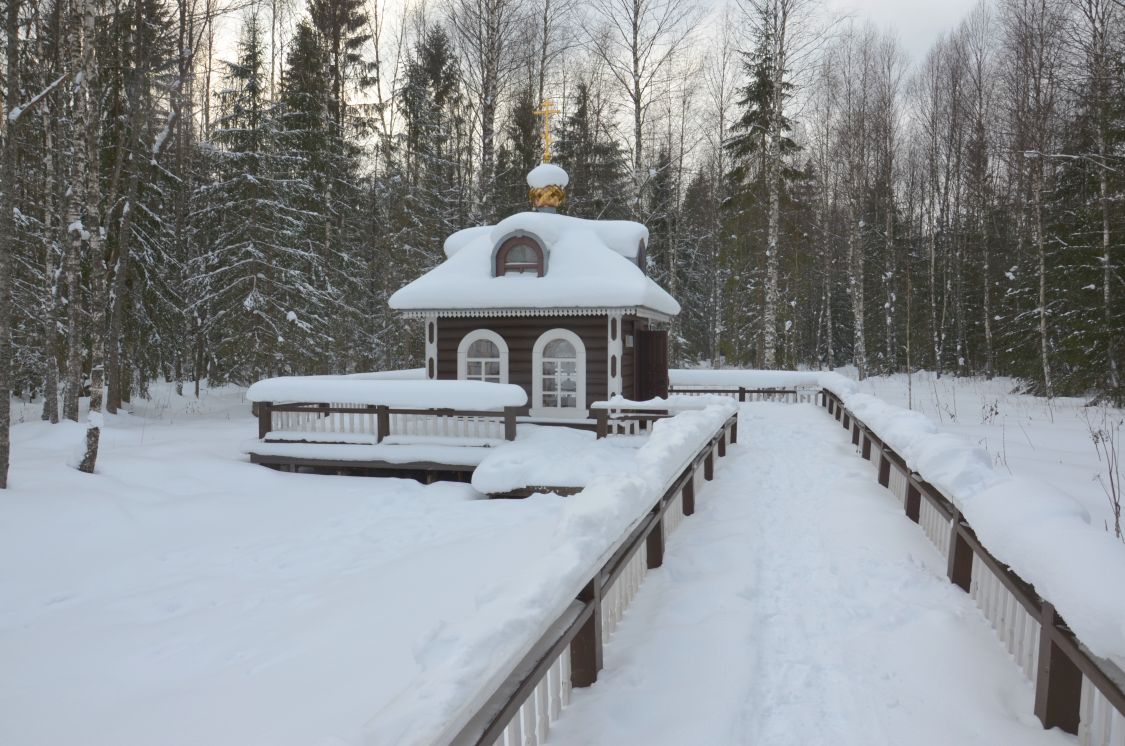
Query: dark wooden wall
point(520, 333)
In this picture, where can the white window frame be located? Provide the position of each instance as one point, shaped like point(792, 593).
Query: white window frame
point(467, 341)
point(537, 408)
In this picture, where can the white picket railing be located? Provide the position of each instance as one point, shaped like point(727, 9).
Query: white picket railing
point(449, 426)
point(329, 421)
point(532, 724)
point(1016, 628)
point(616, 598)
point(800, 394)
point(674, 516)
point(1101, 724)
point(935, 526)
point(899, 483)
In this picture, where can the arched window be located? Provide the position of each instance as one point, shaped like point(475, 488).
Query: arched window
point(559, 375)
point(520, 254)
point(482, 355)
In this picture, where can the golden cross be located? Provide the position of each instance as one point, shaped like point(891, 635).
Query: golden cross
point(545, 110)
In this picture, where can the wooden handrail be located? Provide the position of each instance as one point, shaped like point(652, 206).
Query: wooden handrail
point(1063, 659)
point(583, 635)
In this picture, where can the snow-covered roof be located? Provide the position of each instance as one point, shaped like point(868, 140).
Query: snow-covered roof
point(590, 264)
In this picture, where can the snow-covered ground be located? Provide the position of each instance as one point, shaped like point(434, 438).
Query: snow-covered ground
point(1024, 435)
point(184, 596)
point(799, 606)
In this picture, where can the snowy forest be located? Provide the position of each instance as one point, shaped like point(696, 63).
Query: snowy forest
point(221, 190)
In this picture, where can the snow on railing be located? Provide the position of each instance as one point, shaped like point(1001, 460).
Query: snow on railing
point(1075, 689)
point(518, 703)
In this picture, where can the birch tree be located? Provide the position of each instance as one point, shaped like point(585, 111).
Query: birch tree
point(637, 41)
point(486, 31)
point(88, 227)
point(8, 239)
point(1035, 51)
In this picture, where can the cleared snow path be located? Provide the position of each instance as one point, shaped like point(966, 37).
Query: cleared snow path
point(799, 606)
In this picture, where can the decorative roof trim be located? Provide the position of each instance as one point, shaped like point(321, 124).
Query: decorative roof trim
point(647, 313)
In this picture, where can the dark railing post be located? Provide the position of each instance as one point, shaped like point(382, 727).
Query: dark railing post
point(847, 422)
point(855, 433)
point(734, 430)
point(601, 416)
point(1058, 682)
point(689, 493)
point(265, 418)
point(913, 502)
point(383, 423)
point(884, 470)
point(654, 543)
point(586, 648)
point(722, 443)
point(741, 393)
point(866, 447)
point(510, 423)
point(960, 566)
point(709, 465)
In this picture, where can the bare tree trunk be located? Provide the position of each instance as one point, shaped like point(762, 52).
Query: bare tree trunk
point(780, 23)
point(96, 243)
point(637, 100)
point(855, 284)
point(640, 39)
point(986, 282)
point(1041, 249)
point(73, 228)
point(1112, 335)
point(8, 231)
point(117, 303)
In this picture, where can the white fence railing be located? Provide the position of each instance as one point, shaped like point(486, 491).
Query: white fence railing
point(1074, 690)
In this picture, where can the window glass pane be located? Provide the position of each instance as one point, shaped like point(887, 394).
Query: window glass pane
point(550, 367)
point(559, 348)
point(522, 254)
point(568, 400)
point(550, 400)
point(484, 348)
point(569, 384)
point(473, 368)
point(492, 368)
point(570, 368)
point(550, 384)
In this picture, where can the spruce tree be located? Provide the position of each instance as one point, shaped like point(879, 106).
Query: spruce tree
point(594, 161)
point(521, 151)
point(255, 276)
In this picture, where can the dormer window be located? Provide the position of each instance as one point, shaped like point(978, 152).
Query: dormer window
point(519, 255)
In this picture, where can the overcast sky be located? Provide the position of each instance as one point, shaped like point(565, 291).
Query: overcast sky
point(918, 23)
